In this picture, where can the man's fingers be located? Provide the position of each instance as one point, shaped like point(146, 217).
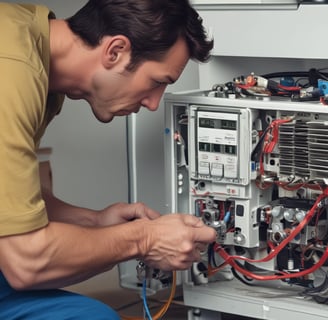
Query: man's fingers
point(202, 233)
point(142, 211)
point(193, 221)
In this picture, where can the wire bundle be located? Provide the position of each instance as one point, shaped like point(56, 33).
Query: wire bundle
point(233, 260)
point(162, 310)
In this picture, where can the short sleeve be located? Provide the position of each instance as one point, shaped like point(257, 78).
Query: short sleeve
point(23, 94)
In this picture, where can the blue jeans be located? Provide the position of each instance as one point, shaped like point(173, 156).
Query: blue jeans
point(50, 304)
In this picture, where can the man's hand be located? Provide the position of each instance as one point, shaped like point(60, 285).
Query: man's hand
point(123, 212)
point(174, 241)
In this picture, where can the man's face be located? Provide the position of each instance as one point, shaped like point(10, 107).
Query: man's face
point(117, 92)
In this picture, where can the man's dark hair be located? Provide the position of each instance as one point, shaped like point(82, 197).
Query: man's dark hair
point(152, 26)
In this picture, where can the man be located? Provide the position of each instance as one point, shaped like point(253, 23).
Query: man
point(119, 55)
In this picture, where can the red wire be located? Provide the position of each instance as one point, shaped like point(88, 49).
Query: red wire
point(271, 139)
point(288, 88)
point(230, 259)
point(283, 275)
point(273, 132)
point(285, 89)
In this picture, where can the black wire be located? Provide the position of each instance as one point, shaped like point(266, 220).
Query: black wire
point(241, 279)
point(313, 75)
point(257, 151)
point(211, 256)
point(303, 74)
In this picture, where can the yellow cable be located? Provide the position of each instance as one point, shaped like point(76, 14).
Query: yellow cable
point(164, 308)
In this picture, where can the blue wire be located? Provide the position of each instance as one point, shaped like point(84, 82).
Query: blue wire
point(145, 300)
point(227, 217)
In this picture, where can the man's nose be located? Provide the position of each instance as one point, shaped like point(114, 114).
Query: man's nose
point(151, 102)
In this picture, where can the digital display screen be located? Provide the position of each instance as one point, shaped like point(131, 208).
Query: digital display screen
point(217, 124)
point(206, 123)
point(228, 124)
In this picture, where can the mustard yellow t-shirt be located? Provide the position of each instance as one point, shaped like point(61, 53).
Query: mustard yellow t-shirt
point(25, 111)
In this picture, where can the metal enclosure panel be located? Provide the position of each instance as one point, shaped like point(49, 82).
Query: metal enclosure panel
point(268, 300)
point(261, 302)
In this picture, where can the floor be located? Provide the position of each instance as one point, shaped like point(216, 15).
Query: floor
point(129, 304)
point(106, 288)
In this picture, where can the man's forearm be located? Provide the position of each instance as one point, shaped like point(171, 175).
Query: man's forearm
point(63, 254)
point(61, 211)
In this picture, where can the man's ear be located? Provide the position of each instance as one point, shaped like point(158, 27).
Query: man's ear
point(116, 49)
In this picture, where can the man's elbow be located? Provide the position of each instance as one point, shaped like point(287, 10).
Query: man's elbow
point(20, 279)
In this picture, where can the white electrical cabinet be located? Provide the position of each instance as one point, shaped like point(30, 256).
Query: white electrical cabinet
point(254, 168)
point(260, 199)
